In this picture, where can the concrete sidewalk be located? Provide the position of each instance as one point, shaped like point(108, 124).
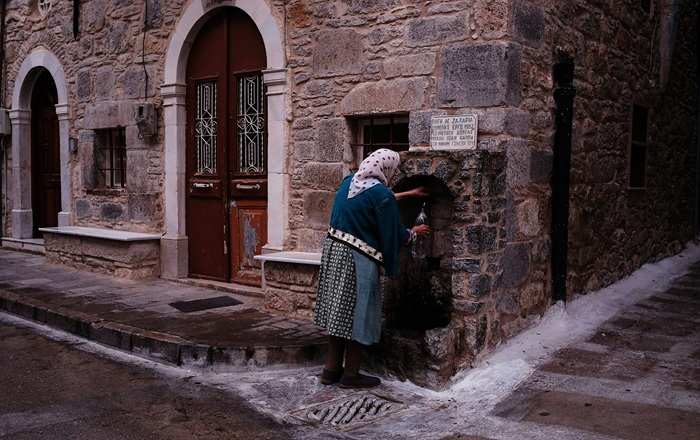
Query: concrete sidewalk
point(136, 316)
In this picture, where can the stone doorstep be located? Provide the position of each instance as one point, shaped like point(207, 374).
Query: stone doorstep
point(238, 289)
point(158, 346)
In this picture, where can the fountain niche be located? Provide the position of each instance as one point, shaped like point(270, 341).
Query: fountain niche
point(435, 317)
point(420, 298)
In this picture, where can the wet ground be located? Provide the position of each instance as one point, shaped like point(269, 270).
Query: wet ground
point(53, 390)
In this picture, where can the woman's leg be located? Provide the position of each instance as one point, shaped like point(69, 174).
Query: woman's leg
point(336, 349)
point(351, 375)
point(334, 360)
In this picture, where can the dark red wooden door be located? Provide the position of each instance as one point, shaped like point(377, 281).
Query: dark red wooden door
point(46, 162)
point(226, 149)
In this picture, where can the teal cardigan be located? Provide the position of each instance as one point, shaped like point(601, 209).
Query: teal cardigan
point(373, 217)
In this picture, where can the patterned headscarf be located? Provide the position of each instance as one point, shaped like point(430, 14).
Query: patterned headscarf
point(378, 167)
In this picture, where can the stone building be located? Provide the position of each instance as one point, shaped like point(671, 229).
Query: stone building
point(205, 139)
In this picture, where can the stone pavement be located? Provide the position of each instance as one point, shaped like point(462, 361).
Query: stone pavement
point(136, 316)
point(637, 377)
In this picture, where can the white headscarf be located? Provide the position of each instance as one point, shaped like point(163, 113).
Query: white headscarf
point(378, 167)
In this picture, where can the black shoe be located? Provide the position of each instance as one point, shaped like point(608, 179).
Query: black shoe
point(359, 381)
point(329, 377)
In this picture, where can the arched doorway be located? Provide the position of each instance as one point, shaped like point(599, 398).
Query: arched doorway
point(45, 154)
point(40, 82)
point(226, 160)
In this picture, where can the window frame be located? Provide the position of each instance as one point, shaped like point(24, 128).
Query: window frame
point(358, 123)
point(638, 144)
point(111, 158)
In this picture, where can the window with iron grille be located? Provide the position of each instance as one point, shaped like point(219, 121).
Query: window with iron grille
point(639, 146)
point(380, 131)
point(110, 157)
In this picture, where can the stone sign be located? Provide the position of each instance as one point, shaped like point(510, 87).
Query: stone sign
point(453, 132)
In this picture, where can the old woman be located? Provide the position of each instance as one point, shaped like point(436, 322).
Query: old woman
point(365, 234)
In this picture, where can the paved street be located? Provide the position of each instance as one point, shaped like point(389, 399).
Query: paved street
point(616, 364)
point(53, 390)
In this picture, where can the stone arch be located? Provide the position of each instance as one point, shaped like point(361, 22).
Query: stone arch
point(174, 254)
point(20, 115)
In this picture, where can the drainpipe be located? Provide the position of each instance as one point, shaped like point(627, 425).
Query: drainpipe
point(669, 17)
point(2, 102)
point(564, 93)
point(697, 127)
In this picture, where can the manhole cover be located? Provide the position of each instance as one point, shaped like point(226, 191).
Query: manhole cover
point(349, 411)
point(198, 305)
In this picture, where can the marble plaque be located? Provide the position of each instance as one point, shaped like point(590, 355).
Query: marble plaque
point(453, 132)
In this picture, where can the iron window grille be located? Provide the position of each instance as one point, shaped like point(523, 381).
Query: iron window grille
point(381, 131)
point(251, 124)
point(111, 157)
point(205, 130)
point(639, 147)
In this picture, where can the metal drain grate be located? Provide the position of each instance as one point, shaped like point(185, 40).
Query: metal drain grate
point(198, 305)
point(350, 411)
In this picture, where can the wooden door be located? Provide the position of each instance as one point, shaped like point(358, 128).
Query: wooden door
point(46, 161)
point(226, 150)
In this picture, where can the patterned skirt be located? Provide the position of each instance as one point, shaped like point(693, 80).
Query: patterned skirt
point(348, 301)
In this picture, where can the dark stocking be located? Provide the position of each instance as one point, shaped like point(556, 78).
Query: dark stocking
point(352, 377)
point(353, 358)
point(334, 358)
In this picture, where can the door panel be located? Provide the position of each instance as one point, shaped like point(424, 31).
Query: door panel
point(207, 89)
point(223, 70)
point(46, 165)
point(248, 238)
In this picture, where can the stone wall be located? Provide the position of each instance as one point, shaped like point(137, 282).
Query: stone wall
point(351, 57)
point(290, 288)
point(111, 64)
point(437, 318)
point(105, 64)
point(125, 259)
point(613, 229)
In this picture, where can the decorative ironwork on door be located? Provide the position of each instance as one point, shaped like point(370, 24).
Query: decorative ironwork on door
point(251, 124)
point(205, 128)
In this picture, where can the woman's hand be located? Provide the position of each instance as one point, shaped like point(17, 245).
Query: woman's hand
point(421, 229)
point(412, 193)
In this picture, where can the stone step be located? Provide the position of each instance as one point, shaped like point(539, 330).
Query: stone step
point(167, 347)
point(137, 317)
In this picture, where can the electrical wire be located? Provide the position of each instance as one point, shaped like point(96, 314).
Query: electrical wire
point(143, 50)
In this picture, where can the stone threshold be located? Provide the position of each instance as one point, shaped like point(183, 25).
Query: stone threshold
point(238, 289)
point(32, 245)
point(311, 258)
